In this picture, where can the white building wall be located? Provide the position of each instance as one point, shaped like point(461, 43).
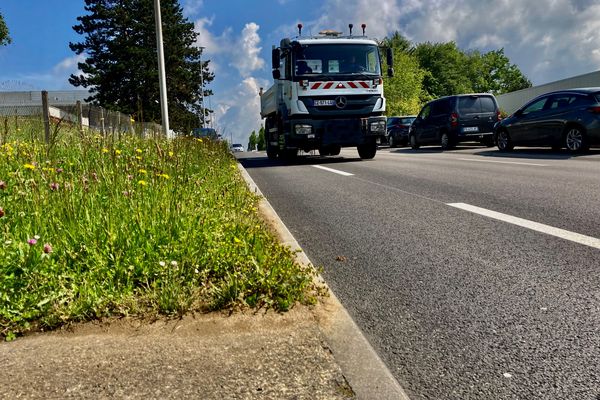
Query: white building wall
point(510, 102)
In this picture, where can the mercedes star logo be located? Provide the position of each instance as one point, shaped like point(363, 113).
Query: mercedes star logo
point(340, 102)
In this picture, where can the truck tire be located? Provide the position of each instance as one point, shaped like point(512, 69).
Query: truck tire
point(289, 154)
point(367, 151)
point(324, 151)
point(271, 152)
point(335, 150)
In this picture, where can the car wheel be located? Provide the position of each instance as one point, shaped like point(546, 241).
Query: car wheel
point(504, 142)
point(335, 150)
point(413, 142)
point(367, 151)
point(445, 141)
point(324, 151)
point(575, 139)
point(391, 141)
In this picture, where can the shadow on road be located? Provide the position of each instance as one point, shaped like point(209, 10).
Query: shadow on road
point(260, 160)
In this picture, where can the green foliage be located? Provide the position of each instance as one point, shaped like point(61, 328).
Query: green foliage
point(404, 92)
point(121, 66)
point(260, 141)
point(252, 141)
point(97, 227)
point(492, 72)
point(4, 37)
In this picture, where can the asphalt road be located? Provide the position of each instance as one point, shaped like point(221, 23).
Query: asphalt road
point(459, 302)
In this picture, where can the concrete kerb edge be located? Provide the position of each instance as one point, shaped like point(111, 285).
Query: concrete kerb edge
point(366, 373)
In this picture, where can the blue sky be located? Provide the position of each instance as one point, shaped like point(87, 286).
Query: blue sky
point(547, 39)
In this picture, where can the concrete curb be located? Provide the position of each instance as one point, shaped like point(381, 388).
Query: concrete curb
point(368, 376)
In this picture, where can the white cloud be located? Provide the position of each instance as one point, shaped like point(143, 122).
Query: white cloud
point(238, 110)
point(191, 7)
point(247, 52)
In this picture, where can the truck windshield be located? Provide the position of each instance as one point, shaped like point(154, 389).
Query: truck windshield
point(336, 59)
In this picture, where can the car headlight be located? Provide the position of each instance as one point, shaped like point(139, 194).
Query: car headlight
point(378, 126)
point(303, 129)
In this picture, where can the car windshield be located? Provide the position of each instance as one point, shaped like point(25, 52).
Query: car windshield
point(336, 59)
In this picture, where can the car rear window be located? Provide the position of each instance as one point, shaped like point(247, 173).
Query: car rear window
point(476, 104)
point(407, 121)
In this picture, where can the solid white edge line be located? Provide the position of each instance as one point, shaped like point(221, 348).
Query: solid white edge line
point(335, 171)
point(503, 162)
point(536, 226)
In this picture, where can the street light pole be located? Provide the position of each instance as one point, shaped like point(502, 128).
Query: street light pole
point(202, 85)
point(162, 78)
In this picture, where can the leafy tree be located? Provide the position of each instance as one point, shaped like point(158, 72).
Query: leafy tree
point(260, 141)
point(4, 38)
point(404, 92)
point(252, 141)
point(121, 66)
point(447, 69)
point(492, 72)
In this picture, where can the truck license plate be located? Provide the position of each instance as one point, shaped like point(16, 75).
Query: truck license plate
point(324, 102)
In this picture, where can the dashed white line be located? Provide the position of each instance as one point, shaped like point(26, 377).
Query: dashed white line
point(335, 171)
point(525, 223)
point(503, 162)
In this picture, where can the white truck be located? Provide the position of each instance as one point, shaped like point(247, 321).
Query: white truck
point(327, 94)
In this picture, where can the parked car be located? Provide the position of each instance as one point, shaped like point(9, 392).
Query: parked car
point(452, 119)
point(565, 118)
point(237, 147)
point(397, 129)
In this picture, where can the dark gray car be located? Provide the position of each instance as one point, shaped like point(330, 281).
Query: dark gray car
point(449, 120)
point(566, 118)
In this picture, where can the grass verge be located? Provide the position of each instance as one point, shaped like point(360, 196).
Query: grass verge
point(92, 227)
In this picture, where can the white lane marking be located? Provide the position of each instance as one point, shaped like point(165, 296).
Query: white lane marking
point(525, 223)
point(335, 171)
point(503, 162)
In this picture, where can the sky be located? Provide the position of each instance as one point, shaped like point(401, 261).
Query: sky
point(547, 39)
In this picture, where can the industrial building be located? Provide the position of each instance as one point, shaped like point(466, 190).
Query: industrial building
point(510, 102)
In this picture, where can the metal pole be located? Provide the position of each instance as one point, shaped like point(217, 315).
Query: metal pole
point(202, 85)
point(162, 79)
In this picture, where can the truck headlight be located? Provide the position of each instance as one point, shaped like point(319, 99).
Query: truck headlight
point(303, 129)
point(377, 126)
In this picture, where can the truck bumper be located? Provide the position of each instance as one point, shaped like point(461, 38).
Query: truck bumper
point(311, 134)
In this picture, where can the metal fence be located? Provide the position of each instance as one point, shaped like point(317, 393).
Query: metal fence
point(49, 113)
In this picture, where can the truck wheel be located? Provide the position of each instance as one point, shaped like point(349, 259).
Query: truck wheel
point(271, 152)
point(367, 151)
point(335, 150)
point(324, 151)
point(289, 154)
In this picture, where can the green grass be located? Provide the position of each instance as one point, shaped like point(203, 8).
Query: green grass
point(91, 227)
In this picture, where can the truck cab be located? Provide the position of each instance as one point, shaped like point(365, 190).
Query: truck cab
point(327, 94)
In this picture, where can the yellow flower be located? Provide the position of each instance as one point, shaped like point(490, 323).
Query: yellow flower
point(142, 183)
point(170, 154)
point(236, 240)
point(105, 150)
point(138, 150)
point(199, 140)
point(117, 152)
point(138, 158)
point(29, 166)
point(164, 176)
point(142, 171)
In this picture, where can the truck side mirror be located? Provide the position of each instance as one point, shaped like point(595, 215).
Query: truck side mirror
point(275, 58)
point(276, 74)
point(390, 57)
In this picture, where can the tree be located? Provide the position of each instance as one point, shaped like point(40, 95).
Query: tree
point(4, 38)
point(121, 66)
point(492, 72)
point(252, 141)
point(447, 69)
point(260, 141)
point(404, 92)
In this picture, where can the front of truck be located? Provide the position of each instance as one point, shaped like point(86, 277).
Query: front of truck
point(335, 95)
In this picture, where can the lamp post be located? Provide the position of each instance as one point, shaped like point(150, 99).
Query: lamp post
point(202, 83)
point(162, 79)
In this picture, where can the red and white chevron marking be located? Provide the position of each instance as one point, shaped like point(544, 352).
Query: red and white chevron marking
point(340, 85)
